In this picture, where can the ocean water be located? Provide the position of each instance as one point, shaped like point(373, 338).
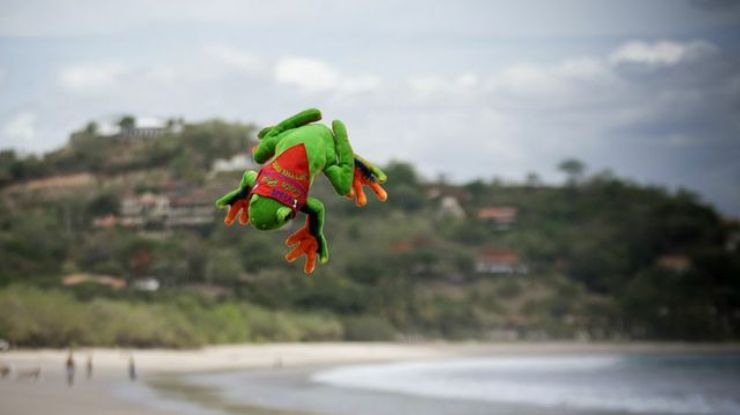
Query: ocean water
point(593, 384)
point(640, 384)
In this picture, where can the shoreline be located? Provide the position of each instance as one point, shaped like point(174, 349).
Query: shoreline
point(163, 386)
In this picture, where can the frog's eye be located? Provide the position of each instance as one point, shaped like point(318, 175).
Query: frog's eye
point(283, 213)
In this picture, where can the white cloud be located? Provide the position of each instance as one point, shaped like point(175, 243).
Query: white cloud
point(584, 69)
point(526, 80)
point(359, 84)
point(314, 75)
point(663, 53)
point(212, 65)
point(21, 128)
point(164, 74)
point(467, 80)
point(245, 62)
point(573, 84)
point(310, 75)
point(91, 77)
point(435, 84)
point(427, 84)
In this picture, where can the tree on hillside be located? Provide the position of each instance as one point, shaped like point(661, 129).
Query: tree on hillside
point(91, 128)
point(405, 186)
point(8, 160)
point(127, 122)
point(533, 179)
point(574, 169)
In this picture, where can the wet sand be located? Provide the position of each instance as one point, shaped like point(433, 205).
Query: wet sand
point(176, 382)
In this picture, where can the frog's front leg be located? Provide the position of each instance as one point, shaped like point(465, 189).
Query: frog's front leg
point(366, 174)
point(237, 199)
point(310, 238)
point(351, 172)
point(340, 174)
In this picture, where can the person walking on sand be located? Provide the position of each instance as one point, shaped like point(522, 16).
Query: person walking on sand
point(4, 370)
point(89, 366)
point(131, 368)
point(70, 369)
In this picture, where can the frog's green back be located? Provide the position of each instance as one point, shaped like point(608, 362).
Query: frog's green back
point(319, 142)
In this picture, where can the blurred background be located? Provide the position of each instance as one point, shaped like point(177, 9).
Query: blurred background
point(564, 188)
point(557, 170)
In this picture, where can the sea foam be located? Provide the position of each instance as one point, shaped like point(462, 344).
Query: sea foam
point(609, 383)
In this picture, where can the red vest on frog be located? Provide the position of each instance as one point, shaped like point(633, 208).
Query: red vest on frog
point(286, 178)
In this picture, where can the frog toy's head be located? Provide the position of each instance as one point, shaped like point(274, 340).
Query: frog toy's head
point(267, 214)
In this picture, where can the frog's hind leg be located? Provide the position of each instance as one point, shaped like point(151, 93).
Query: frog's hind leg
point(340, 174)
point(310, 239)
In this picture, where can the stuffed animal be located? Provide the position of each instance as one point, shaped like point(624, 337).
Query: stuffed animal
point(297, 151)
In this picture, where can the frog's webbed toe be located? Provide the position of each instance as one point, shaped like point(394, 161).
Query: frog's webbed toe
point(306, 243)
point(366, 174)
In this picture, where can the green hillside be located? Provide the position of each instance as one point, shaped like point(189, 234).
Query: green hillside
point(86, 230)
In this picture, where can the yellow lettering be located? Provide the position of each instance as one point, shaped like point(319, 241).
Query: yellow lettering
point(288, 173)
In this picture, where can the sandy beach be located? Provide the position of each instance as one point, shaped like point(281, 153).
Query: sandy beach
point(160, 388)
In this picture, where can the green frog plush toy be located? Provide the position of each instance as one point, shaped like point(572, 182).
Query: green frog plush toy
point(293, 152)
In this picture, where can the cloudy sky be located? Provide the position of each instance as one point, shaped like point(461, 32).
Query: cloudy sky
point(649, 89)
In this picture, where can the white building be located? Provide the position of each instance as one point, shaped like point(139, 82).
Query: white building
point(449, 206)
point(144, 127)
point(239, 162)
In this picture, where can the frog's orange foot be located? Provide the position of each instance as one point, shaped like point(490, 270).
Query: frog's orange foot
point(306, 244)
point(361, 179)
point(234, 208)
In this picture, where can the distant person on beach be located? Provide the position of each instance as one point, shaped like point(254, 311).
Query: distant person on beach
point(131, 368)
point(89, 366)
point(70, 369)
point(4, 370)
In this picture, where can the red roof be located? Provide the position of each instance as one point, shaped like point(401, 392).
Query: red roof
point(674, 262)
point(407, 245)
point(76, 279)
point(500, 214)
point(499, 256)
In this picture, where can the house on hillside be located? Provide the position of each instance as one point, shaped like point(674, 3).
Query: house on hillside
point(145, 209)
point(149, 284)
point(105, 280)
point(499, 261)
point(438, 190)
point(449, 207)
point(450, 200)
point(677, 263)
point(176, 204)
point(407, 245)
point(105, 222)
point(238, 163)
point(179, 205)
point(142, 127)
point(192, 209)
point(500, 217)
